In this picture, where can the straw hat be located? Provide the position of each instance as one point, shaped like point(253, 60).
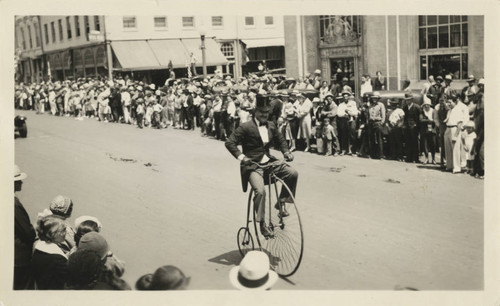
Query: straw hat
point(253, 273)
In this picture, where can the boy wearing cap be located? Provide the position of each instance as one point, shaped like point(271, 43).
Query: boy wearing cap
point(256, 137)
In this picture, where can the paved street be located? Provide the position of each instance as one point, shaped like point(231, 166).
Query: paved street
point(173, 197)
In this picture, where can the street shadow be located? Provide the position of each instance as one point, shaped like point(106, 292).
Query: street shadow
point(431, 167)
point(228, 259)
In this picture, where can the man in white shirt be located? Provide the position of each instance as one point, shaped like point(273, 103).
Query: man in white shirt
point(456, 117)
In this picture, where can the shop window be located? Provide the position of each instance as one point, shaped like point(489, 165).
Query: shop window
point(160, 22)
point(443, 44)
point(217, 21)
point(129, 22)
point(188, 22)
point(227, 49)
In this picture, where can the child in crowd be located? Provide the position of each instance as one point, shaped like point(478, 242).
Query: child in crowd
point(62, 207)
point(328, 135)
point(140, 111)
point(468, 139)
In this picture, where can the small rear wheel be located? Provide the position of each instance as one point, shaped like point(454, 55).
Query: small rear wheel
point(245, 240)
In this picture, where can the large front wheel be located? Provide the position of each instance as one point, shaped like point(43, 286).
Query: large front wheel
point(286, 246)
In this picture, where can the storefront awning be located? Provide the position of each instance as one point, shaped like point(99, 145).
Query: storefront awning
point(264, 42)
point(135, 55)
point(167, 50)
point(213, 53)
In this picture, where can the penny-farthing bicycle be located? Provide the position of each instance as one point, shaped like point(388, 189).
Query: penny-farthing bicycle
point(286, 244)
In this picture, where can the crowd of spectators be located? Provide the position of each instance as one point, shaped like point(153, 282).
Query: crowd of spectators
point(313, 115)
point(54, 255)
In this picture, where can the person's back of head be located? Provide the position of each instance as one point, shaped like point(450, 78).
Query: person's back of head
point(169, 278)
point(84, 268)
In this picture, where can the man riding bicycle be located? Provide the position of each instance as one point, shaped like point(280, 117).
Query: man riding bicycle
point(256, 137)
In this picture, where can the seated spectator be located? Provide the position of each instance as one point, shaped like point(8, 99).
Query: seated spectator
point(253, 273)
point(49, 262)
point(113, 268)
point(164, 278)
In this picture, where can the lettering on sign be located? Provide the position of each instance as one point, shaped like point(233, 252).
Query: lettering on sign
point(336, 52)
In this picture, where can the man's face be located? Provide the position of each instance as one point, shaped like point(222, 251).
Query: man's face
point(261, 115)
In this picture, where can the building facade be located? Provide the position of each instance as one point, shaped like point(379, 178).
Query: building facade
point(400, 47)
point(67, 47)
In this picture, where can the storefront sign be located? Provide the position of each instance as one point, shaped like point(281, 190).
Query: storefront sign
point(339, 52)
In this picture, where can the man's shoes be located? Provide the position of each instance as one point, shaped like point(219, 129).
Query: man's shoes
point(284, 213)
point(264, 230)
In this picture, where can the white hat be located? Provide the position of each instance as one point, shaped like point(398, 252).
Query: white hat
point(481, 81)
point(18, 175)
point(448, 77)
point(253, 273)
point(317, 71)
point(81, 219)
point(316, 100)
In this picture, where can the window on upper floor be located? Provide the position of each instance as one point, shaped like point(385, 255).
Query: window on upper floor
point(23, 39)
point(217, 21)
point(129, 22)
point(30, 37)
point(443, 42)
point(46, 28)
point(188, 22)
point(53, 28)
point(339, 29)
point(249, 21)
point(77, 26)
point(59, 22)
point(37, 34)
point(68, 27)
point(87, 26)
point(269, 20)
point(97, 23)
point(160, 21)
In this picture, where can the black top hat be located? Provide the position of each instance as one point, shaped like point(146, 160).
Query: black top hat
point(263, 102)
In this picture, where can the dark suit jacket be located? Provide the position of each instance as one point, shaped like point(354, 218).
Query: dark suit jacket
point(247, 135)
point(412, 116)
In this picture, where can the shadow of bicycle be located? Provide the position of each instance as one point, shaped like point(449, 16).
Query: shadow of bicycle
point(228, 259)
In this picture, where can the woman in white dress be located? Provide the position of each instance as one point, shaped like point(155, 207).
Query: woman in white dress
point(304, 114)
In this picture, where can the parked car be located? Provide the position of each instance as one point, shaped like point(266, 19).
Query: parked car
point(20, 126)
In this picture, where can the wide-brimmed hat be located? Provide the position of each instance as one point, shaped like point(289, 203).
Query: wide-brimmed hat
point(61, 206)
point(169, 278)
point(471, 78)
point(375, 95)
point(426, 102)
point(18, 175)
point(82, 219)
point(408, 96)
point(448, 77)
point(481, 81)
point(329, 95)
point(316, 100)
point(253, 273)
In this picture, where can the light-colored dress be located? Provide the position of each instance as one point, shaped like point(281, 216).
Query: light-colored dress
point(305, 128)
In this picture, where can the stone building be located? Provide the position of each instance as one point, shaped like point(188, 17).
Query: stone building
point(401, 47)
